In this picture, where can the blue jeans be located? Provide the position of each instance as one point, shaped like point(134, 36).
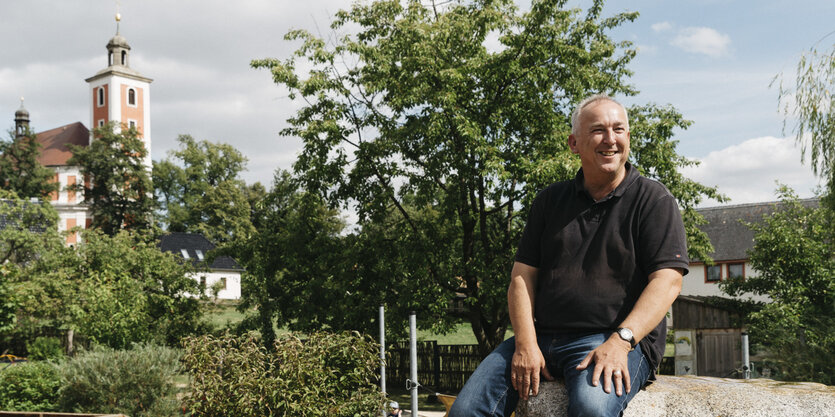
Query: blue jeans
point(489, 391)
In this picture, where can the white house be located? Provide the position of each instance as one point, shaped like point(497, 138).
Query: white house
point(223, 274)
point(731, 240)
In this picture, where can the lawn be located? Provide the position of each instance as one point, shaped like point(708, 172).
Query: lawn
point(223, 314)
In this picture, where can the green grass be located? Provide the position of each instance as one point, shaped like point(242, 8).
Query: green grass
point(223, 313)
point(426, 400)
point(462, 334)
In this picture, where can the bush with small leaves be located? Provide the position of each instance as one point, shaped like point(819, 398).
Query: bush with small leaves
point(324, 374)
point(45, 348)
point(138, 382)
point(29, 386)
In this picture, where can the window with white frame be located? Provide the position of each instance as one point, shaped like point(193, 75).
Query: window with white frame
point(131, 97)
point(100, 97)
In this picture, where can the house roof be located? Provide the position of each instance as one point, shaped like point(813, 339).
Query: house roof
point(196, 246)
point(54, 150)
point(727, 231)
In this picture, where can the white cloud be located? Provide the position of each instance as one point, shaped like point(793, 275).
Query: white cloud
point(748, 172)
point(646, 49)
point(662, 26)
point(702, 40)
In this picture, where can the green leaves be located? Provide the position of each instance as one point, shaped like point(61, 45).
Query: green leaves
point(200, 191)
point(808, 105)
point(120, 192)
point(792, 254)
point(20, 170)
point(112, 290)
point(138, 381)
point(439, 125)
point(318, 374)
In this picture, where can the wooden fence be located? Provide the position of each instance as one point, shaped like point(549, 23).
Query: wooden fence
point(441, 368)
point(445, 368)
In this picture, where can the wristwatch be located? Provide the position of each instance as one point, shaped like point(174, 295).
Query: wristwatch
point(626, 334)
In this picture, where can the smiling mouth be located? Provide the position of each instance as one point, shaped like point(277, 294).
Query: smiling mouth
point(608, 153)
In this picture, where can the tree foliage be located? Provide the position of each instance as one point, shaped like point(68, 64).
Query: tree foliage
point(119, 192)
point(809, 105)
point(294, 261)
point(200, 190)
point(439, 126)
point(793, 253)
point(111, 290)
point(28, 229)
point(20, 170)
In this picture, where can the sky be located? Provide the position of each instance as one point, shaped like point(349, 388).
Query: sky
point(713, 60)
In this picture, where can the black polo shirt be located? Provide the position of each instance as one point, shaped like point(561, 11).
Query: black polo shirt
point(594, 258)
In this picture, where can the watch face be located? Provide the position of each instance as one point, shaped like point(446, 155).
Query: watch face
point(625, 334)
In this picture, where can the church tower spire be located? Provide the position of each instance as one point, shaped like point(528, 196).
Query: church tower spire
point(118, 50)
point(21, 120)
point(120, 93)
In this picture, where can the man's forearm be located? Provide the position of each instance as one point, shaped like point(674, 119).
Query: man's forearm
point(520, 303)
point(527, 363)
point(663, 288)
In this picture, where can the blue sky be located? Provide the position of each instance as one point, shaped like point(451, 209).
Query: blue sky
point(713, 60)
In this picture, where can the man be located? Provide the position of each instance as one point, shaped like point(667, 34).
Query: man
point(599, 264)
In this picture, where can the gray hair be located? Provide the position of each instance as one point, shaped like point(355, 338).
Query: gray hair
point(575, 116)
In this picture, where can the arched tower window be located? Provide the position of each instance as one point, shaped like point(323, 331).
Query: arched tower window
point(131, 96)
point(124, 58)
point(100, 96)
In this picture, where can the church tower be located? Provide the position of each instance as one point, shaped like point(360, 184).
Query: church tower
point(121, 94)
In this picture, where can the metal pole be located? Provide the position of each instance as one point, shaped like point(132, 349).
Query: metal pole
point(383, 353)
point(746, 365)
point(413, 366)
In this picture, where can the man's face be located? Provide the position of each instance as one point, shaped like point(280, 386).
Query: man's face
point(602, 138)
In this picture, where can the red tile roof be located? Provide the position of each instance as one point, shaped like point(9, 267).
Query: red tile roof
point(54, 151)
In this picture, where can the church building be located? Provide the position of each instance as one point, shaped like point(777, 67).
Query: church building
point(117, 93)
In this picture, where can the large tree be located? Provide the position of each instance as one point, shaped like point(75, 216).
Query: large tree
point(119, 192)
point(293, 261)
point(20, 170)
point(793, 252)
point(200, 190)
point(441, 122)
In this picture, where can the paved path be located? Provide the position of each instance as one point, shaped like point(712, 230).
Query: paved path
point(406, 413)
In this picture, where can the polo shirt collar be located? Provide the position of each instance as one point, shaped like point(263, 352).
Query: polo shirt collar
point(628, 180)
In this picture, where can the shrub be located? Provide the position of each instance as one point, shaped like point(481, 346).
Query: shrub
point(29, 386)
point(137, 382)
point(324, 375)
point(45, 348)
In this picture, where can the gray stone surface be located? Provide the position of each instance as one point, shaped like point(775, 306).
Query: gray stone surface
point(694, 396)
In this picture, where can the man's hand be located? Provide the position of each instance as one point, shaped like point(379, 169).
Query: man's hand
point(525, 368)
point(610, 361)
